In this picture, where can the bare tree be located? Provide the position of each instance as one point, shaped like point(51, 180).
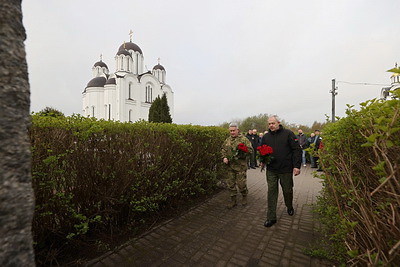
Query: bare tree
point(16, 193)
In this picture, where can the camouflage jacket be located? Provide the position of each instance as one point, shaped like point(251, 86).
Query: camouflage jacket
point(237, 159)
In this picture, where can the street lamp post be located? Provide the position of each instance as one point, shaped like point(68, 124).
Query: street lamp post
point(334, 93)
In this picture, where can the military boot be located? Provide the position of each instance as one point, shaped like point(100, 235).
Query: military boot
point(232, 203)
point(244, 200)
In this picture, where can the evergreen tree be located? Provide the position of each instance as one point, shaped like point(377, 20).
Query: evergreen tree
point(159, 110)
point(51, 112)
point(154, 111)
point(165, 114)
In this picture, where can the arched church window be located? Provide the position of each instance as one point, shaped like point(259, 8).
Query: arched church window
point(137, 63)
point(109, 111)
point(130, 91)
point(92, 111)
point(130, 115)
point(149, 94)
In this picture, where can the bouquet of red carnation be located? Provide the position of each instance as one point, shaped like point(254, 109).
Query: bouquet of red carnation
point(264, 154)
point(239, 152)
point(243, 147)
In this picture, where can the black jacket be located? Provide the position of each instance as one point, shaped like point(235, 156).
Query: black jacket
point(286, 153)
point(316, 142)
point(253, 138)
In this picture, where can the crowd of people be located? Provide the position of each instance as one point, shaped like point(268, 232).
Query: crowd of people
point(307, 144)
point(289, 153)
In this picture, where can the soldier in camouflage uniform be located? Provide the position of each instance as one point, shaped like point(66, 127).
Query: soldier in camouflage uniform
point(236, 164)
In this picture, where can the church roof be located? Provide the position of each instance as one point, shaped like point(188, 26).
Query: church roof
point(96, 82)
point(144, 73)
point(111, 81)
point(100, 64)
point(158, 67)
point(123, 51)
point(131, 46)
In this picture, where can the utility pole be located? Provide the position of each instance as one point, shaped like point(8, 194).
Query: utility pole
point(334, 93)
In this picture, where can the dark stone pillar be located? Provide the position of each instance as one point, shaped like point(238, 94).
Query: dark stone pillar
point(16, 193)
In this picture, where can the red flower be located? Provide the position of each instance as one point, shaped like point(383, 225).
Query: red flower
point(239, 152)
point(264, 153)
point(243, 148)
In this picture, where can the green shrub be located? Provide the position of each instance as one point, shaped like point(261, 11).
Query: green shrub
point(361, 197)
point(95, 177)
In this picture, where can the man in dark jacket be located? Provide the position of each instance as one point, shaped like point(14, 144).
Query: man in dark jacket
point(285, 162)
point(252, 138)
point(302, 138)
point(316, 140)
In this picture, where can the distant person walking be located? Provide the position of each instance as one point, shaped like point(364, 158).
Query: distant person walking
point(285, 162)
point(255, 142)
point(235, 151)
point(302, 138)
point(310, 140)
point(260, 136)
point(252, 138)
point(316, 140)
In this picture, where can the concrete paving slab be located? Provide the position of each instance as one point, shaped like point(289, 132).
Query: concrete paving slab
point(212, 235)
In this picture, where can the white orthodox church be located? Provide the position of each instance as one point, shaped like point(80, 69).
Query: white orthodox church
point(127, 94)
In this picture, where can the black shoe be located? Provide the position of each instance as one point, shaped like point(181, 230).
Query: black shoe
point(269, 223)
point(290, 211)
point(319, 170)
point(253, 167)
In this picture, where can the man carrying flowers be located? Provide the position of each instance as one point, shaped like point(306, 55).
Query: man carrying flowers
point(283, 160)
point(235, 151)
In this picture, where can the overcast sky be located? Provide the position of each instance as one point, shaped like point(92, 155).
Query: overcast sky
point(225, 59)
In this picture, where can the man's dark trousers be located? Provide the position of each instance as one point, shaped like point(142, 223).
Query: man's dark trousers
point(286, 181)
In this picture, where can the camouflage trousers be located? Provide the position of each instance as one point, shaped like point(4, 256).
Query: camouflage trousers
point(236, 180)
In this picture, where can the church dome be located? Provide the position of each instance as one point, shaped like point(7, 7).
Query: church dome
point(122, 51)
point(100, 64)
point(111, 81)
point(131, 46)
point(96, 82)
point(158, 67)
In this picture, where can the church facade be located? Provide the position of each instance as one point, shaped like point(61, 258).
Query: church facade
point(126, 94)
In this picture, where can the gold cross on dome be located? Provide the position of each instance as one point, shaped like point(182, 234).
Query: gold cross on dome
point(158, 61)
point(101, 57)
point(130, 35)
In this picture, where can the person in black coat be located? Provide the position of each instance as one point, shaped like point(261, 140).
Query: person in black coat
point(285, 162)
point(252, 138)
point(316, 140)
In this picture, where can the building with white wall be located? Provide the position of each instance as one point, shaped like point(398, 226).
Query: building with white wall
point(126, 94)
point(394, 85)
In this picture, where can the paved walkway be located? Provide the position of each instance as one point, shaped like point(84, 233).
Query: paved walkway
point(211, 235)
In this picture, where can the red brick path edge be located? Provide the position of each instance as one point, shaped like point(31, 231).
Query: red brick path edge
point(211, 235)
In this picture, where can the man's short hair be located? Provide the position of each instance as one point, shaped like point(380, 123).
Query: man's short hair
point(233, 124)
point(275, 117)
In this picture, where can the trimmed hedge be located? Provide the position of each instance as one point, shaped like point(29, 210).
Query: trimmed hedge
point(361, 198)
point(93, 177)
